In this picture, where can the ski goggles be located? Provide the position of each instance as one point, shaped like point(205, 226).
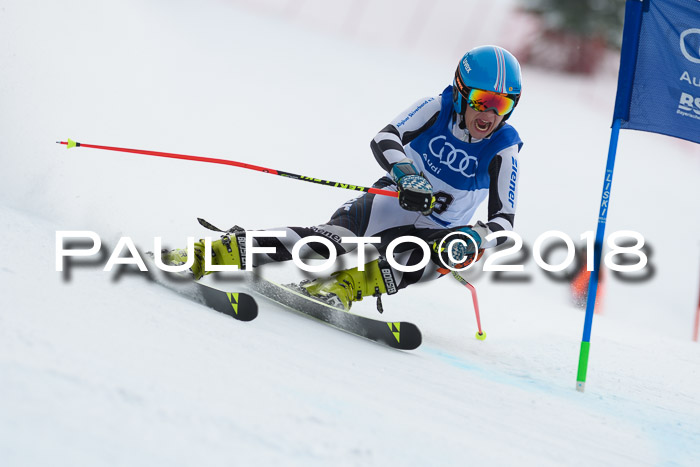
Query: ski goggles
point(481, 101)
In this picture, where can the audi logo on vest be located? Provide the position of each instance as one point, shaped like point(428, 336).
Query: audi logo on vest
point(455, 159)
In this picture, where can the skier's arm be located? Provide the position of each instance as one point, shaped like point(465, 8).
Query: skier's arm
point(504, 173)
point(388, 145)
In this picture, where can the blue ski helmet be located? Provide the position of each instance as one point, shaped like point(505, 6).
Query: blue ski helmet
point(489, 68)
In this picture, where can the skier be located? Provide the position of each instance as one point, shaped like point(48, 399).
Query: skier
point(444, 155)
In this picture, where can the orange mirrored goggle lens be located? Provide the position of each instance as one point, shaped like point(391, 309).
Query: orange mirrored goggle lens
point(482, 101)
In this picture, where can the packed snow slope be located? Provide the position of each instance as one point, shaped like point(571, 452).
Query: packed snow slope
point(104, 368)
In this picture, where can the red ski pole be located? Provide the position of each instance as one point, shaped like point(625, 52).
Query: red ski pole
point(72, 144)
point(481, 335)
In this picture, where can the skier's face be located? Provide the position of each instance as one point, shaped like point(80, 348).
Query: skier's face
point(481, 124)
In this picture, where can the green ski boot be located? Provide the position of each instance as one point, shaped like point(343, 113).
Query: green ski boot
point(351, 285)
point(228, 250)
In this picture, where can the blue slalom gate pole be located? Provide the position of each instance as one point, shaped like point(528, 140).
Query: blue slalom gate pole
point(597, 253)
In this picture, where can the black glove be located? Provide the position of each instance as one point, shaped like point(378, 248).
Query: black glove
point(415, 191)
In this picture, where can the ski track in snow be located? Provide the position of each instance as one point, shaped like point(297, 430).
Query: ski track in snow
point(104, 368)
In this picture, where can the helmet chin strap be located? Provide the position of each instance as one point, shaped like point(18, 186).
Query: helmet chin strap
point(461, 121)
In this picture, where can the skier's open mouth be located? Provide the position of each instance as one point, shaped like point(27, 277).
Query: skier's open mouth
point(482, 125)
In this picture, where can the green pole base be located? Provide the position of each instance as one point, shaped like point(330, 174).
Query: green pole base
point(582, 366)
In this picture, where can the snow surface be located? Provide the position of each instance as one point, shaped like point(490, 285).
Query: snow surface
point(106, 369)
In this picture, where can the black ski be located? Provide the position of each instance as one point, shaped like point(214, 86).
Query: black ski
point(240, 306)
point(399, 335)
